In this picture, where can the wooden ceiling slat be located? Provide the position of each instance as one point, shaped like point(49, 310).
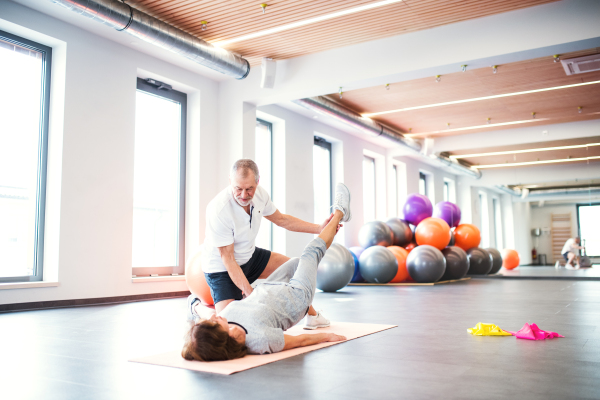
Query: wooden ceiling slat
point(233, 18)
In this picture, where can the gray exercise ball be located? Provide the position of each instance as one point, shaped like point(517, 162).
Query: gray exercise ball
point(375, 233)
point(496, 260)
point(377, 264)
point(457, 263)
point(426, 264)
point(585, 262)
point(335, 269)
point(480, 261)
point(402, 234)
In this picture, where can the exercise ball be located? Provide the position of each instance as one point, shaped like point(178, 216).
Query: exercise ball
point(375, 233)
point(378, 265)
point(400, 254)
point(467, 236)
point(447, 211)
point(585, 262)
point(195, 279)
point(434, 232)
point(457, 263)
point(402, 233)
point(410, 246)
point(452, 239)
point(356, 252)
point(335, 269)
point(510, 259)
point(416, 208)
point(496, 260)
point(480, 261)
point(426, 264)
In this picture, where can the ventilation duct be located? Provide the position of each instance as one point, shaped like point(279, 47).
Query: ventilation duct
point(507, 190)
point(593, 190)
point(581, 65)
point(123, 17)
point(329, 108)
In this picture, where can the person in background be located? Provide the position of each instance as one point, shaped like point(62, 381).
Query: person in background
point(570, 252)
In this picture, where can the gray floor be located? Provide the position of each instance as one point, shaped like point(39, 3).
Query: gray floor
point(82, 353)
point(550, 272)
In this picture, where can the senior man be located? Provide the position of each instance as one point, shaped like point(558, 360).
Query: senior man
point(231, 261)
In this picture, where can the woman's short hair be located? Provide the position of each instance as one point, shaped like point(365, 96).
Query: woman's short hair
point(207, 341)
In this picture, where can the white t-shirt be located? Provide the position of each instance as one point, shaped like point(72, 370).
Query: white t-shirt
point(570, 247)
point(227, 222)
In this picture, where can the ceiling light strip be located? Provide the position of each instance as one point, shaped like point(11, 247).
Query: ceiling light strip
point(520, 164)
point(305, 22)
point(500, 153)
point(527, 121)
point(448, 103)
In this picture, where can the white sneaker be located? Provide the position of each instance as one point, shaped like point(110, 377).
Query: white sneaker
point(316, 321)
point(342, 201)
point(569, 266)
point(577, 266)
point(557, 265)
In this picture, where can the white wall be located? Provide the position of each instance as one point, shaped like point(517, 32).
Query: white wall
point(94, 206)
point(541, 217)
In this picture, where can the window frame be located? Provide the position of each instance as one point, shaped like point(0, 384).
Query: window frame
point(40, 220)
point(182, 99)
point(396, 188)
point(269, 125)
point(319, 141)
point(579, 227)
point(375, 197)
point(423, 177)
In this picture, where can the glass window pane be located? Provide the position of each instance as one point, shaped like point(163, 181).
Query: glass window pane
point(264, 159)
point(589, 217)
point(369, 189)
point(322, 182)
point(422, 184)
point(156, 181)
point(485, 220)
point(20, 131)
point(498, 225)
point(446, 191)
point(394, 208)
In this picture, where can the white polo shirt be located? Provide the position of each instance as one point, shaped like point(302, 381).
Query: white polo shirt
point(227, 222)
point(570, 246)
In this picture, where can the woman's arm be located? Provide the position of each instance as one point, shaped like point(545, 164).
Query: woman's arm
point(291, 342)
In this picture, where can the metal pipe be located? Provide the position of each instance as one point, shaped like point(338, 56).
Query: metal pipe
point(372, 128)
point(508, 190)
point(564, 192)
point(123, 17)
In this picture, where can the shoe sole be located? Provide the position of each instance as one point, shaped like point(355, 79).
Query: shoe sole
point(310, 328)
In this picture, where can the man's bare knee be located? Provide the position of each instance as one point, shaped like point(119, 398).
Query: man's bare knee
point(275, 261)
point(220, 306)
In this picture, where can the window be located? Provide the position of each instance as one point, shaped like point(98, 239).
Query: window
point(264, 159)
point(423, 184)
point(588, 216)
point(498, 224)
point(24, 103)
point(395, 191)
point(369, 189)
point(446, 191)
point(322, 178)
point(159, 181)
point(484, 217)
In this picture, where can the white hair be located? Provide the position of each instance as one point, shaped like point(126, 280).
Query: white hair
point(244, 165)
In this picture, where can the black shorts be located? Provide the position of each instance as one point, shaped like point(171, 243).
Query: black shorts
point(566, 256)
point(223, 288)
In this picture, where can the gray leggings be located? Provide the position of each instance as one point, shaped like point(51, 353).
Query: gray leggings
point(301, 273)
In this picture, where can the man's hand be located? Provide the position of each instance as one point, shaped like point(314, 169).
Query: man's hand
point(247, 290)
point(332, 337)
point(324, 224)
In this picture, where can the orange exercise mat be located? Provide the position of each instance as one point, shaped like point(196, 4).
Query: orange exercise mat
point(348, 329)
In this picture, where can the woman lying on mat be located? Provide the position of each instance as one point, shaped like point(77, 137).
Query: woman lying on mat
point(256, 324)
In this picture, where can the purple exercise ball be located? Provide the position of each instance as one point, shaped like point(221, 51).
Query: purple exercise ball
point(416, 208)
point(356, 252)
point(449, 212)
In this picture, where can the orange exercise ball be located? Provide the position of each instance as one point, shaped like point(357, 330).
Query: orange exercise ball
point(410, 246)
point(196, 281)
point(510, 259)
point(400, 254)
point(467, 236)
point(434, 232)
